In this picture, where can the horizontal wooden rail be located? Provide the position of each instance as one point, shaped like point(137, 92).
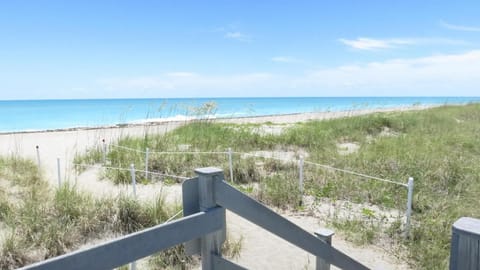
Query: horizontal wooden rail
point(223, 264)
point(137, 245)
point(246, 207)
point(203, 228)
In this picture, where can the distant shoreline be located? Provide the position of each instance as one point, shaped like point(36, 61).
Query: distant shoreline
point(275, 118)
point(67, 115)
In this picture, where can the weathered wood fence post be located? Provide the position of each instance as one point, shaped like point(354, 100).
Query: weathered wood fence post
point(211, 244)
point(326, 236)
point(465, 245)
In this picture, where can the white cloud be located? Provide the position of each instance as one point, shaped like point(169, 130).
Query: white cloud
point(438, 75)
point(378, 44)
point(285, 59)
point(238, 36)
point(460, 27)
point(374, 44)
point(455, 74)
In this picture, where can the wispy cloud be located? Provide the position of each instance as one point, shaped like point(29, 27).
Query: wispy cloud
point(238, 36)
point(460, 27)
point(181, 74)
point(374, 44)
point(186, 80)
point(437, 75)
point(285, 59)
point(453, 74)
point(379, 44)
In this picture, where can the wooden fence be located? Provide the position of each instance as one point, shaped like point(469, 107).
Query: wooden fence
point(202, 229)
point(465, 248)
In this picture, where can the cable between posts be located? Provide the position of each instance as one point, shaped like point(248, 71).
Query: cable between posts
point(170, 152)
point(355, 173)
point(262, 156)
point(266, 157)
point(327, 167)
point(129, 170)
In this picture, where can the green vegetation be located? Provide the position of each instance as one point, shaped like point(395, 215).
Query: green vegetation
point(439, 147)
point(39, 223)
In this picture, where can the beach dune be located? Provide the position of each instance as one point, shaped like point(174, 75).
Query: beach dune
point(261, 250)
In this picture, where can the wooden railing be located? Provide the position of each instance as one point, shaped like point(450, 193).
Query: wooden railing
point(465, 248)
point(202, 229)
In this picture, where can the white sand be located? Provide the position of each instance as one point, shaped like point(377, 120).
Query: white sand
point(261, 250)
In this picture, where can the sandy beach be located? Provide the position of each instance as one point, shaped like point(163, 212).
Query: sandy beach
point(261, 250)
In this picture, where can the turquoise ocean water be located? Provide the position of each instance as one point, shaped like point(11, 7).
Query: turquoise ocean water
point(30, 115)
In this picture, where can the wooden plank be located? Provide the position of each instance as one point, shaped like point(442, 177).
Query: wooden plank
point(210, 244)
point(223, 264)
point(465, 244)
point(191, 206)
point(137, 245)
point(248, 208)
point(468, 226)
point(454, 250)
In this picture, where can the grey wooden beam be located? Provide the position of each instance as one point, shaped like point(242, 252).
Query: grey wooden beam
point(210, 244)
point(221, 263)
point(250, 209)
point(465, 244)
point(137, 245)
point(326, 236)
point(191, 206)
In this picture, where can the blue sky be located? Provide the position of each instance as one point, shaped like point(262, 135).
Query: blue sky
point(122, 49)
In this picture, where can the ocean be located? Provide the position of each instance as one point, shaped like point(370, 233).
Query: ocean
point(34, 115)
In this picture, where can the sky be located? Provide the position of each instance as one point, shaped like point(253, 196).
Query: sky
point(166, 49)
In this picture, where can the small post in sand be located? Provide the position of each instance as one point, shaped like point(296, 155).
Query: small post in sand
point(58, 172)
point(230, 163)
point(104, 149)
point(409, 206)
point(147, 151)
point(38, 156)
point(326, 236)
point(300, 178)
point(134, 181)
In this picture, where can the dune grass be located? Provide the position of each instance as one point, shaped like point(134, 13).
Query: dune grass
point(38, 223)
point(439, 147)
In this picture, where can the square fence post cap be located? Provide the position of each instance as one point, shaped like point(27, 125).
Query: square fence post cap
point(324, 233)
point(467, 225)
point(208, 170)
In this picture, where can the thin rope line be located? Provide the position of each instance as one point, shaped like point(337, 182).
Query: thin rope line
point(194, 152)
point(100, 167)
point(129, 170)
point(127, 148)
point(167, 152)
point(262, 156)
point(167, 175)
point(355, 173)
point(265, 156)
